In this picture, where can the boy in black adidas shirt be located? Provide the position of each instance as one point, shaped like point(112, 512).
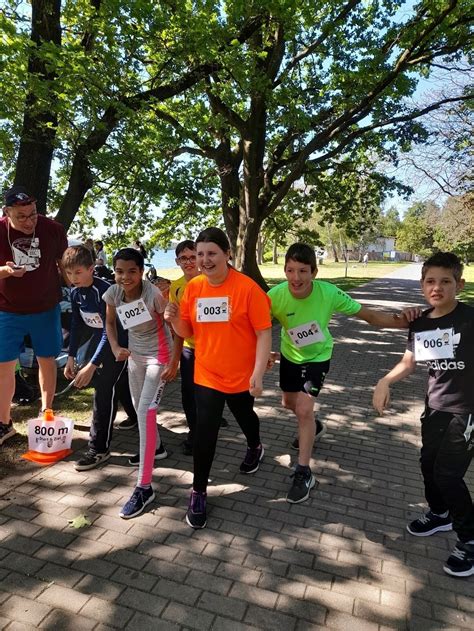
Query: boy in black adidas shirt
point(109, 377)
point(443, 338)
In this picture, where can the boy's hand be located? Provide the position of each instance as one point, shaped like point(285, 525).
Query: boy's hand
point(69, 371)
point(84, 376)
point(163, 285)
point(170, 371)
point(256, 386)
point(15, 270)
point(274, 357)
point(121, 354)
point(411, 313)
point(381, 396)
point(171, 312)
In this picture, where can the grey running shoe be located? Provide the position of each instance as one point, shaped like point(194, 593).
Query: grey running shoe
point(303, 482)
point(91, 460)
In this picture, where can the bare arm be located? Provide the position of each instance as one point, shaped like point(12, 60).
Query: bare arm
point(405, 367)
point(383, 320)
point(10, 269)
point(169, 373)
point(181, 327)
point(121, 354)
point(264, 347)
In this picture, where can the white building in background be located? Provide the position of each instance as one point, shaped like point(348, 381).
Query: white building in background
point(384, 248)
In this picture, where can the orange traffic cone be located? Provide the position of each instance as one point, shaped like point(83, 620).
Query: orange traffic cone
point(49, 438)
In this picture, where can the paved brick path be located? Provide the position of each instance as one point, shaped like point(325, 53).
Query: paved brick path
point(342, 560)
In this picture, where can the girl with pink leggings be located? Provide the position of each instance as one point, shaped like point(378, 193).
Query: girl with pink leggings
point(139, 306)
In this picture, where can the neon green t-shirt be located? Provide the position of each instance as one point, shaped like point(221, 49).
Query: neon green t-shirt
point(305, 319)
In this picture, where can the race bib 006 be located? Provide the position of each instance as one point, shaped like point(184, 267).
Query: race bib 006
point(436, 344)
point(306, 334)
point(212, 309)
point(133, 313)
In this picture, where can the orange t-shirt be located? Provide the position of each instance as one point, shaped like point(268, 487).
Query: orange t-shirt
point(225, 351)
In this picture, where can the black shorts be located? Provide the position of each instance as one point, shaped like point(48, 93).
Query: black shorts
point(302, 377)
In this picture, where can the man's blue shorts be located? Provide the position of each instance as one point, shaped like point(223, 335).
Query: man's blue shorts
point(44, 329)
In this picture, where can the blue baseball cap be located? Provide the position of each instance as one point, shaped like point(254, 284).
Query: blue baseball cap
point(18, 196)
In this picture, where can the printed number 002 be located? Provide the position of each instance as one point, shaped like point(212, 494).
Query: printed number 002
point(132, 312)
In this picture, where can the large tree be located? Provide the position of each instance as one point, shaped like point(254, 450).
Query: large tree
point(184, 99)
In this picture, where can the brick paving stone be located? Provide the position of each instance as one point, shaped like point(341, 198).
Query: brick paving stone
point(341, 560)
point(106, 612)
point(22, 609)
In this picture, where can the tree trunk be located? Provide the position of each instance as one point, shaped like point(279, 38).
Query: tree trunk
point(35, 154)
point(260, 249)
point(275, 251)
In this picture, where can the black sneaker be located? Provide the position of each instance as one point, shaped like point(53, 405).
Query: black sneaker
point(128, 423)
point(140, 498)
point(252, 459)
point(91, 460)
point(160, 454)
point(461, 560)
point(320, 431)
point(196, 513)
point(303, 482)
point(6, 431)
point(429, 524)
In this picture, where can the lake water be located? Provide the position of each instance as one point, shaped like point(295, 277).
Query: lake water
point(163, 259)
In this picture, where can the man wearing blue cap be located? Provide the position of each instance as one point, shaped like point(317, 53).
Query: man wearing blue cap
point(31, 247)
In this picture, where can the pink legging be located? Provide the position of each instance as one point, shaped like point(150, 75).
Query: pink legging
point(146, 388)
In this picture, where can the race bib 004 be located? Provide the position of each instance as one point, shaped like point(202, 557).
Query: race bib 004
point(436, 344)
point(306, 334)
point(212, 309)
point(133, 313)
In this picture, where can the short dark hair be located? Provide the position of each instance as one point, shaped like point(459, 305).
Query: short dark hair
point(187, 244)
point(301, 253)
point(214, 235)
point(77, 255)
point(100, 244)
point(448, 260)
point(129, 254)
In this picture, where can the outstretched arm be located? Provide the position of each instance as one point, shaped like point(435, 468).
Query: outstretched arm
point(405, 367)
point(389, 320)
point(264, 347)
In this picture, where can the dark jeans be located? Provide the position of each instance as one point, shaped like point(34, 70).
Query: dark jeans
point(210, 405)
point(110, 384)
point(188, 396)
point(446, 452)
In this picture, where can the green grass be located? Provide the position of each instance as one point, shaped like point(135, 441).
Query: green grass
point(468, 294)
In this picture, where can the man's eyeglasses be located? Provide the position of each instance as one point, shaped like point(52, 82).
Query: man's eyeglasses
point(186, 259)
point(25, 218)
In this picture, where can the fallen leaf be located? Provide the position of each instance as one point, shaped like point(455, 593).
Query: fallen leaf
point(80, 521)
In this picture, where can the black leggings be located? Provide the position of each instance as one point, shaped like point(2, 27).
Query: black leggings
point(210, 405)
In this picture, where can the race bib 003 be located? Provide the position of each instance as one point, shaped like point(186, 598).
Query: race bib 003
point(306, 334)
point(436, 344)
point(212, 309)
point(133, 313)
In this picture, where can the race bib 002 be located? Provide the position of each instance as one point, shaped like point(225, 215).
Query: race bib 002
point(436, 344)
point(306, 334)
point(133, 313)
point(212, 309)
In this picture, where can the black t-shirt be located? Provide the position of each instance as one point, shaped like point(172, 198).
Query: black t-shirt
point(451, 380)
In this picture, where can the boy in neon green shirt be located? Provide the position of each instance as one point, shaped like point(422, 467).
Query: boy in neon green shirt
point(304, 307)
